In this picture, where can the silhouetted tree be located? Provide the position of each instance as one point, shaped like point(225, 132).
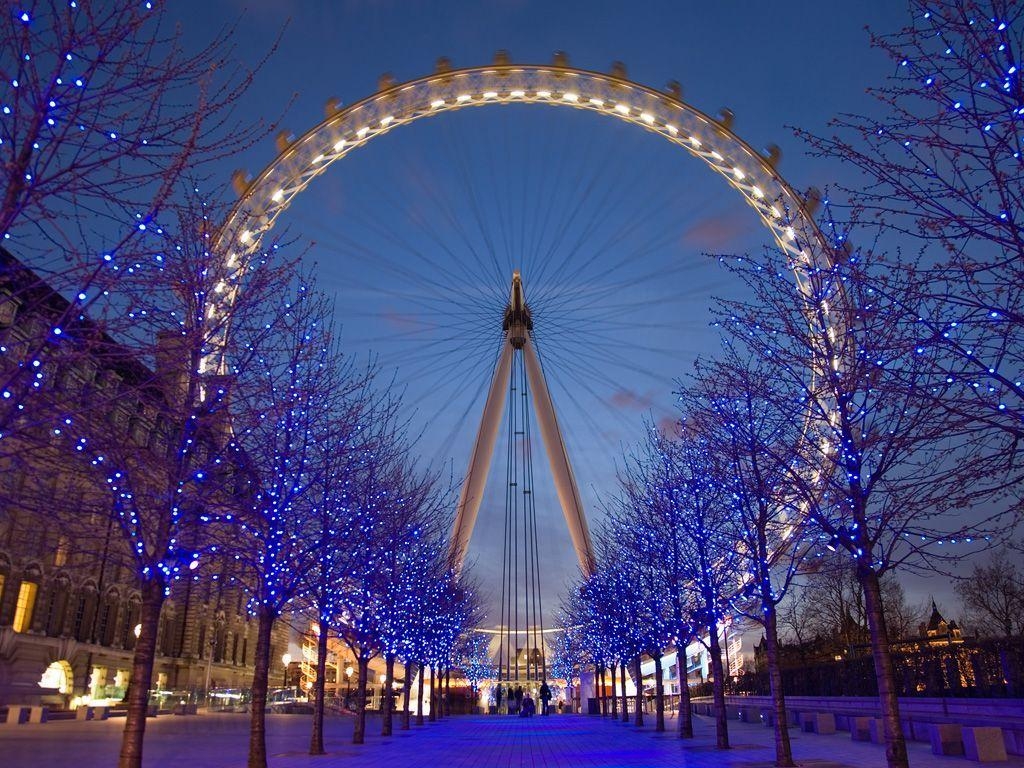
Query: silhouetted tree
point(993, 595)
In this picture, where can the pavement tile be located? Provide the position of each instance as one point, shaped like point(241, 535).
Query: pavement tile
point(558, 741)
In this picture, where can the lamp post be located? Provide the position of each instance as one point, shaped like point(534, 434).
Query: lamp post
point(286, 659)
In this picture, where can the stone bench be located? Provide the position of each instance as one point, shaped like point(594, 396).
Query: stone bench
point(185, 709)
point(984, 744)
point(877, 729)
point(946, 739)
point(86, 712)
point(818, 722)
point(860, 728)
point(768, 717)
point(16, 715)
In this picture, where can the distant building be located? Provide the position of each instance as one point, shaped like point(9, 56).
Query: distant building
point(938, 630)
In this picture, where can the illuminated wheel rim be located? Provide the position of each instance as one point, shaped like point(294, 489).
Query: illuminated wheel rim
point(264, 198)
point(268, 195)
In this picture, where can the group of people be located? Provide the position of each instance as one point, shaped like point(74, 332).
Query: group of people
point(520, 702)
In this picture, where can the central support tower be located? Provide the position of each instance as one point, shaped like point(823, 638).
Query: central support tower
point(517, 325)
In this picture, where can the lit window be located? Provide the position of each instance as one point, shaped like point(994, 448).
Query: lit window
point(57, 676)
point(26, 602)
point(60, 557)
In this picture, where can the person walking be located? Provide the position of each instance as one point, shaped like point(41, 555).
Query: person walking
point(545, 697)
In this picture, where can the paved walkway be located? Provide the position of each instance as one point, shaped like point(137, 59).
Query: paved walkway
point(559, 741)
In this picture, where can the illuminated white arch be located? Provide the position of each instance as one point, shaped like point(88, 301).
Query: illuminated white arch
point(263, 199)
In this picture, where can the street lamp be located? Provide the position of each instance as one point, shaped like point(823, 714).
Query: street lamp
point(286, 659)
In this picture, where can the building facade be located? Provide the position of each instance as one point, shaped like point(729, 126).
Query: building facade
point(69, 597)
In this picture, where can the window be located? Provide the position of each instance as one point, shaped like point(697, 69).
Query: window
point(85, 613)
point(57, 676)
point(60, 556)
point(57, 606)
point(23, 609)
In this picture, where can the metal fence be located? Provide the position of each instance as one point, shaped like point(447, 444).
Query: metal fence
point(984, 669)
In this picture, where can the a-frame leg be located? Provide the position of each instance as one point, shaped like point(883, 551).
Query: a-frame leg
point(480, 459)
point(558, 457)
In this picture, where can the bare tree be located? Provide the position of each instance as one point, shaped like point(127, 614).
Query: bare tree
point(361, 423)
point(162, 453)
point(942, 173)
point(677, 480)
point(419, 518)
point(882, 467)
point(993, 596)
point(94, 125)
point(638, 604)
point(281, 414)
point(105, 111)
point(753, 428)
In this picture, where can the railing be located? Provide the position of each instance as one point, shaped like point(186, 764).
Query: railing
point(972, 669)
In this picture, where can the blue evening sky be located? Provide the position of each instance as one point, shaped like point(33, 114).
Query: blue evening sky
point(417, 233)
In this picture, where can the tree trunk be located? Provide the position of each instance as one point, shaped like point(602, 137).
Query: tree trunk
point(440, 694)
point(614, 698)
point(783, 750)
point(895, 743)
point(448, 690)
point(602, 697)
point(359, 730)
point(419, 700)
point(685, 724)
point(433, 694)
point(638, 719)
point(261, 671)
point(142, 672)
point(406, 693)
point(387, 700)
point(625, 701)
point(316, 739)
point(718, 689)
point(659, 694)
